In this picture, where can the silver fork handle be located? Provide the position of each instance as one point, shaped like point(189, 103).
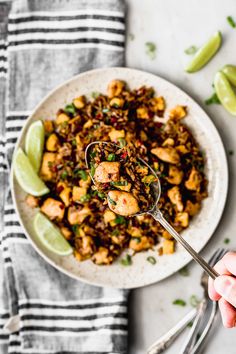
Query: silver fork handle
point(157, 215)
point(167, 339)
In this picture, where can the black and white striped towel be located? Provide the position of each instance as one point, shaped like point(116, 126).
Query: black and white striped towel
point(43, 43)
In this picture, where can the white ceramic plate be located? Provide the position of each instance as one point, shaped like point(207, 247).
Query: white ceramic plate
point(141, 273)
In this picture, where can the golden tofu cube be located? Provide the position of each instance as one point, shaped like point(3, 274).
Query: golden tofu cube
point(52, 142)
point(168, 247)
point(114, 134)
point(62, 118)
point(45, 171)
point(65, 196)
point(79, 102)
point(109, 216)
point(78, 192)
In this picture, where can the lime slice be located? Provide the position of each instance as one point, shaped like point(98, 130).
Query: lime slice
point(50, 236)
point(225, 92)
point(34, 144)
point(205, 53)
point(26, 175)
point(230, 73)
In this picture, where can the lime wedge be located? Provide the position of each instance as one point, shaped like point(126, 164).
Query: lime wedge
point(34, 144)
point(225, 92)
point(230, 73)
point(26, 175)
point(50, 236)
point(205, 53)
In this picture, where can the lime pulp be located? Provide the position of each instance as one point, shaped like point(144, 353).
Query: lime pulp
point(26, 175)
point(225, 92)
point(205, 53)
point(50, 236)
point(34, 143)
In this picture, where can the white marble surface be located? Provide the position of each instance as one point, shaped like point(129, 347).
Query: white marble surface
point(174, 26)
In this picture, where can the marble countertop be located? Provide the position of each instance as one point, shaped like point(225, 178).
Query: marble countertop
point(174, 26)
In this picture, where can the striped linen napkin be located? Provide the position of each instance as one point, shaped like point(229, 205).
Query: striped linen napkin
point(43, 43)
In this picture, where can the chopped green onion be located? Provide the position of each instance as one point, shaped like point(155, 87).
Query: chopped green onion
point(184, 271)
point(194, 301)
point(226, 241)
point(75, 229)
point(82, 174)
point(151, 50)
point(105, 110)
point(115, 232)
point(119, 183)
point(136, 239)
point(111, 201)
point(191, 50)
point(64, 175)
point(74, 143)
point(85, 198)
point(122, 142)
point(151, 260)
point(111, 157)
point(70, 108)
point(119, 220)
point(92, 169)
point(95, 94)
point(126, 261)
point(212, 100)
point(149, 179)
point(231, 152)
point(101, 195)
point(179, 302)
point(231, 21)
point(92, 154)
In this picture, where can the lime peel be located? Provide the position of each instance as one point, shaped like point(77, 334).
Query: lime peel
point(34, 143)
point(26, 175)
point(230, 73)
point(205, 53)
point(50, 236)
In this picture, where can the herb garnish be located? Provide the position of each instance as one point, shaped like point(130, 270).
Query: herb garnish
point(231, 152)
point(122, 142)
point(92, 169)
point(82, 174)
point(85, 198)
point(119, 183)
point(151, 260)
point(95, 94)
point(226, 241)
point(212, 100)
point(136, 239)
point(231, 21)
point(151, 50)
point(111, 200)
point(70, 108)
point(194, 301)
point(64, 175)
point(119, 220)
point(115, 232)
point(74, 143)
point(184, 271)
point(179, 302)
point(105, 110)
point(191, 50)
point(111, 157)
point(101, 195)
point(126, 261)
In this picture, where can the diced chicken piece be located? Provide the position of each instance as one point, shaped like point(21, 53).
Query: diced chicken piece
point(168, 247)
point(176, 198)
point(115, 88)
point(78, 192)
point(142, 113)
point(182, 149)
point(158, 103)
point(117, 102)
point(194, 180)
point(52, 142)
point(62, 118)
point(107, 172)
point(167, 154)
point(122, 203)
point(142, 243)
point(178, 112)
point(79, 102)
point(102, 256)
point(175, 175)
point(182, 219)
point(54, 209)
point(192, 208)
point(167, 235)
point(48, 126)
point(76, 216)
point(86, 183)
point(86, 246)
point(67, 233)
point(109, 216)
point(114, 134)
point(45, 171)
point(88, 124)
point(32, 201)
point(65, 196)
point(169, 142)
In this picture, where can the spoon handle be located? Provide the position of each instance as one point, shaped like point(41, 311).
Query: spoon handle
point(157, 215)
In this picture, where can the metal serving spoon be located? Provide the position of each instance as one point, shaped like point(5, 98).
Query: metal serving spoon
point(157, 215)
